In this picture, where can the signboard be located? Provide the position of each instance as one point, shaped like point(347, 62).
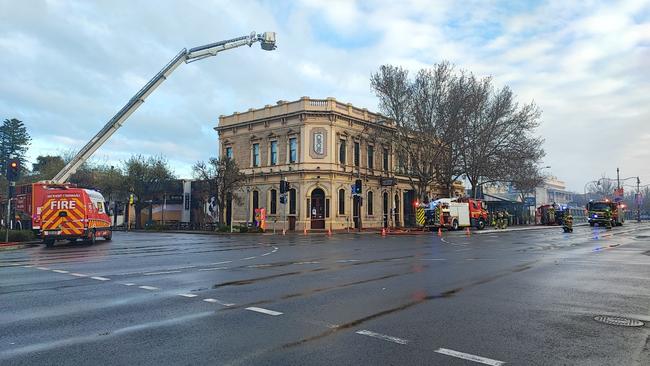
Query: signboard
point(388, 182)
point(529, 201)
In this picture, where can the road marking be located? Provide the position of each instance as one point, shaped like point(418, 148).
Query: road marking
point(212, 269)
point(187, 295)
point(433, 259)
point(310, 262)
point(129, 284)
point(100, 278)
point(248, 258)
point(224, 262)
point(258, 266)
point(348, 260)
point(265, 254)
point(78, 274)
point(215, 301)
point(469, 357)
point(43, 268)
point(59, 271)
point(382, 336)
point(264, 311)
point(150, 288)
point(159, 273)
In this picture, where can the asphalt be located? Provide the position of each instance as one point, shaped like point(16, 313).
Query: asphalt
point(513, 297)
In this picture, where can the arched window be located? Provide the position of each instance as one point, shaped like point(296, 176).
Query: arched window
point(341, 201)
point(369, 203)
point(292, 201)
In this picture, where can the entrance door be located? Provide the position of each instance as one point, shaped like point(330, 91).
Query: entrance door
point(409, 211)
point(396, 214)
point(318, 209)
point(385, 208)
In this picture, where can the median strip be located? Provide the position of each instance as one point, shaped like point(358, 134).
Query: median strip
point(469, 357)
point(264, 311)
point(382, 336)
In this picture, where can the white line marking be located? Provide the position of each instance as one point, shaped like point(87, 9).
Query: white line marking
point(78, 274)
point(348, 260)
point(309, 262)
point(100, 278)
point(187, 295)
point(224, 262)
point(218, 302)
point(212, 269)
point(248, 258)
point(264, 311)
point(59, 271)
point(150, 288)
point(258, 266)
point(14, 264)
point(43, 268)
point(433, 259)
point(159, 273)
point(469, 357)
point(129, 284)
point(382, 336)
point(265, 254)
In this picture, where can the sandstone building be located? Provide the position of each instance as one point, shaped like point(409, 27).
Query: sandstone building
point(321, 147)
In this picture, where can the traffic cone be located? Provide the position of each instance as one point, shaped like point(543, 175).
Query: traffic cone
point(383, 231)
point(329, 231)
point(467, 231)
point(304, 232)
point(439, 231)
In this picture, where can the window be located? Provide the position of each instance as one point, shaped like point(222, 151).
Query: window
point(256, 203)
point(229, 152)
point(342, 149)
point(327, 207)
point(274, 152)
point(371, 157)
point(356, 153)
point(369, 203)
point(385, 159)
point(292, 201)
point(274, 202)
point(256, 154)
point(293, 150)
point(341, 201)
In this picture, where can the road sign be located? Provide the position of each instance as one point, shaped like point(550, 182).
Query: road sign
point(529, 201)
point(388, 182)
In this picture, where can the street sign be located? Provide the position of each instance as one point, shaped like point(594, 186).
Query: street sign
point(529, 201)
point(388, 182)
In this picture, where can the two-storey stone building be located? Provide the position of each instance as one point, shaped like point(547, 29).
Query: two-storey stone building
point(321, 147)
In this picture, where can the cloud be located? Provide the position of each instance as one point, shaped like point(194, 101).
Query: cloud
point(68, 66)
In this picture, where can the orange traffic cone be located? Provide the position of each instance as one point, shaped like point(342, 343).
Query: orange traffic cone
point(439, 231)
point(467, 231)
point(304, 232)
point(383, 231)
point(329, 231)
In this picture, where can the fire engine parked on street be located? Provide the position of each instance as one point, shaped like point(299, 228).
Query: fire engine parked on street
point(456, 213)
point(73, 213)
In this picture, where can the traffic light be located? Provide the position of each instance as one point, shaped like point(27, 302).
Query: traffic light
point(357, 186)
point(13, 170)
point(283, 199)
point(284, 186)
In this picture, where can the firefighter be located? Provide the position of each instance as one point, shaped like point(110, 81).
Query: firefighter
point(551, 215)
point(506, 215)
point(499, 220)
point(567, 222)
point(608, 218)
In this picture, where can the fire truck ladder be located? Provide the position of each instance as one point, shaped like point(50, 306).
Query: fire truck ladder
point(267, 42)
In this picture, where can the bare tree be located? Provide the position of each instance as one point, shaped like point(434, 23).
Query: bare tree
point(525, 178)
point(603, 187)
point(223, 178)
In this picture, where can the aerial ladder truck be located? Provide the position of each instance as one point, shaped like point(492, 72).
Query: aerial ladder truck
point(45, 196)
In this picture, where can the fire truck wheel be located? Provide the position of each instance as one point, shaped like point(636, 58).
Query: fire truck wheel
point(109, 236)
point(481, 225)
point(454, 225)
point(49, 243)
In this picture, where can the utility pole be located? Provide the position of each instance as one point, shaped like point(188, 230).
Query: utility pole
point(638, 199)
point(618, 179)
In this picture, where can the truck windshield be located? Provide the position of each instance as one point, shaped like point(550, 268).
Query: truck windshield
point(598, 206)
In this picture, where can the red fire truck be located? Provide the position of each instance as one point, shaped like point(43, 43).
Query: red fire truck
point(455, 213)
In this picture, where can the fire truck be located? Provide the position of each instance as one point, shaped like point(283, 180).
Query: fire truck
point(456, 213)
point(596, 212)
point(59, 210)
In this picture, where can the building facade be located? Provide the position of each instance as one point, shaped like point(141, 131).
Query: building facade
point(321, 147)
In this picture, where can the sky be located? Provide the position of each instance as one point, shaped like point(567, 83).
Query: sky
point(68, 66)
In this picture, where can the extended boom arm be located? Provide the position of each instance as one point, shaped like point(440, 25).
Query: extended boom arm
point(267, 41)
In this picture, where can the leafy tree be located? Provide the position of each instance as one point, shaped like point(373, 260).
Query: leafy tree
point(146, 178)
point(46, 167)
point(222, 178)
point(14, 142)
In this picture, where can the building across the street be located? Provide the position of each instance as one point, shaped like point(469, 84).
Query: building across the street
point(321, 147)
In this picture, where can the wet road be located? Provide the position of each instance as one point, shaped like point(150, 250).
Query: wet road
point(521, 298)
